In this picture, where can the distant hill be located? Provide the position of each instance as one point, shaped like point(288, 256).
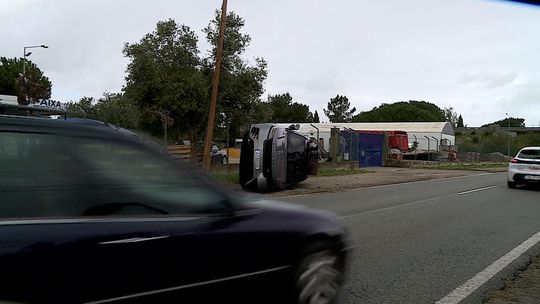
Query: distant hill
point(514, 122)
point(411, 110)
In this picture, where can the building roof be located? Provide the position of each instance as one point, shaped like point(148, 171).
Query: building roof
point(409, 127)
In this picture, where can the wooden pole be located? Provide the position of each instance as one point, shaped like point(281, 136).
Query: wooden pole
point(215, 84)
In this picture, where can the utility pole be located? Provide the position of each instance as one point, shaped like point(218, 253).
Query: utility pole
point(508, 136)
point(215, 85)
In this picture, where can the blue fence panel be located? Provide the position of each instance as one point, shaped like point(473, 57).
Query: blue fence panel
point(349, 144)
point(370, 149)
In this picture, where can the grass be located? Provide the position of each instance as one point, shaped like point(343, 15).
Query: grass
point(233, 178)
point(471, 166)
point(342, 171)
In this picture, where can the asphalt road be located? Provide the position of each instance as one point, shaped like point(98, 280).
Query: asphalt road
point(417, 242)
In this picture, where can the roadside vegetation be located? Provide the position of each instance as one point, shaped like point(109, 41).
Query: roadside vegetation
point(402, 111)
point(341, 171)
point(233, 178)
point(470, 166)
point(523, 289)
point(493, 138)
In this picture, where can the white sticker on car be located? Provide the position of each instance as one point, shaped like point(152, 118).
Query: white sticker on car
point(257, 159)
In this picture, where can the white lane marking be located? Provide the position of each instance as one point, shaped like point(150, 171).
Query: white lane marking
point(460, 293)
point(382, 186)
point(414, 203)
point(425, 181)
point(476, 190)
point(141, 294)
point(397, 206)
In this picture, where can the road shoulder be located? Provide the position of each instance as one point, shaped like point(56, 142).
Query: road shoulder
point(375, 177)
point(523, 288)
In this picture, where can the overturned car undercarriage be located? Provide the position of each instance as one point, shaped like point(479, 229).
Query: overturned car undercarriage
point(275, 156)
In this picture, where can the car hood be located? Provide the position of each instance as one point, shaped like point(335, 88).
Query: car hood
point(280, 207)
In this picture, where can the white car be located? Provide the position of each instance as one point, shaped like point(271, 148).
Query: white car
point(525, 167)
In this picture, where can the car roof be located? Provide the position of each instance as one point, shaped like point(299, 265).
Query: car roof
point(100, 123)
point(530, 148)
point(80, 127)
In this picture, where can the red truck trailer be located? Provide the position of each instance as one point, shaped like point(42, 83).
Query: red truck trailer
point(396, 139)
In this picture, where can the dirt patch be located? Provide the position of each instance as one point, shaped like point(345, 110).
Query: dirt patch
point(523, 289)
point(377, 176)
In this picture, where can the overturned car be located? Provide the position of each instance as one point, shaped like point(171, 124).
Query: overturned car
point(275, 156)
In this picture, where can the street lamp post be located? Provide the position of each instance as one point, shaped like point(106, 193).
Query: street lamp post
point(508, 136)
point(25, 54)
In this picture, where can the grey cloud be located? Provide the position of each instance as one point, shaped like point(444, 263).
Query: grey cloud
point(488, 80)
point(370, 51)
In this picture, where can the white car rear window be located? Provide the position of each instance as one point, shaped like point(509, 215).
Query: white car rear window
point(530, 154)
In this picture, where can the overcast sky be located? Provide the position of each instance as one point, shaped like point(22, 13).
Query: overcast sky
point(480, 57)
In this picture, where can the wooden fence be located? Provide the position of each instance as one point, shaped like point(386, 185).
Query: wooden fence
point(180, 152)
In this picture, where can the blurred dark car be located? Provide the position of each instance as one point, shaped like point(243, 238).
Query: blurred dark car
point(90, 214)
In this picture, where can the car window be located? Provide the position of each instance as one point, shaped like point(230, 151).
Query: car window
point(56, 176)
point(296, 147)
point(530, 154)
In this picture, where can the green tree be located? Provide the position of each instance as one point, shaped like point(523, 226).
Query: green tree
point(514, 122)
point(316, 117)
point(262, 112)
point(33, 85)
point(114, 108)
point(164, 80)
point(284, 110)
point(403, 111)
point(460, 122)
point(451, 116)
point(338, 109)
point(84, 108)
point(242, 82)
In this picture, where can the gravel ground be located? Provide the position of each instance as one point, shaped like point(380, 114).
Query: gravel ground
point(377, 176)
point(523, 289)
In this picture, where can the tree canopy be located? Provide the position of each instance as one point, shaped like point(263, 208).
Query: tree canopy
point(169, 81)
point(164, 79)
point(460, 122)
point(451, 116)
point(32, 85)
point(113, 108)
point(242, 82)
point(284, 110)
point(316, 117)
point(338, 109)
point(403, 111)
point(514, 122)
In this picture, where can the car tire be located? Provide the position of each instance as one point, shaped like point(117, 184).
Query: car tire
point(511, 185)
point(319, 276)
point(224, 160)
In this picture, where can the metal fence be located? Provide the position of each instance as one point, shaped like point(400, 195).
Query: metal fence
point(349, 145)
